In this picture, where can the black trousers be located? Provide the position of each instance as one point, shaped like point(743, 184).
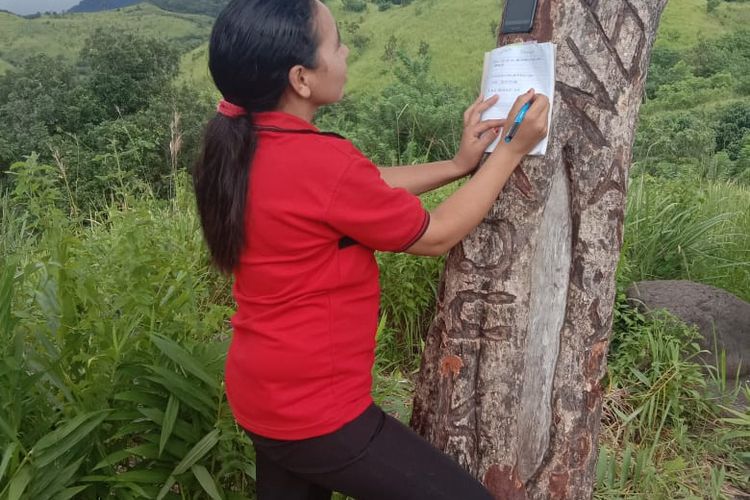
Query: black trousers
point(374, 457)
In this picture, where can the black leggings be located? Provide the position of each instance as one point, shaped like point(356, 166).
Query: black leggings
point(374, 457)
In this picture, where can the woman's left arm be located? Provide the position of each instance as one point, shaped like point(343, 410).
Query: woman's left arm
point(477, 135)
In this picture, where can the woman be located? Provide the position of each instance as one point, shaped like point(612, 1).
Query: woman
point(295, 214)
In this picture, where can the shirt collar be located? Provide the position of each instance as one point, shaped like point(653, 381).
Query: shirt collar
point(282, 120)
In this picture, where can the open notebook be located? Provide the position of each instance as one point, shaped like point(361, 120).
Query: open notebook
point(510, 71)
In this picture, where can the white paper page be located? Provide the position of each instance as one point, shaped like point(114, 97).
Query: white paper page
point(510, 71)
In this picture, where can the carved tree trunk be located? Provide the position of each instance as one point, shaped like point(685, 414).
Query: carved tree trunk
point(510, 384)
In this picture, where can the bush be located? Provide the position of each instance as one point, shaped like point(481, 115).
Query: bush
point(732, 126)
point(681, 141)
point(355, 5)
point(125, 70)
point(354, 36)
point(728, 53)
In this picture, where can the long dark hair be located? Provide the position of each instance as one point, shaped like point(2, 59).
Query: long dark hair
point(254, 44)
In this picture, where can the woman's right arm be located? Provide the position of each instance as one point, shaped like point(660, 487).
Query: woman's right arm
point(460, 213)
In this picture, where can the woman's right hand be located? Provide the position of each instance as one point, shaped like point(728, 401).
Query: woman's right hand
point(533, 128)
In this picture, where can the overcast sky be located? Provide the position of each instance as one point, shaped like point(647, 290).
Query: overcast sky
point(24, 7)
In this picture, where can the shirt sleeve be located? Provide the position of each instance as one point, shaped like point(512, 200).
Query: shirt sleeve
point(366, 209)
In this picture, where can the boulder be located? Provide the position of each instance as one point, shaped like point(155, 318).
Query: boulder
point(711, 310)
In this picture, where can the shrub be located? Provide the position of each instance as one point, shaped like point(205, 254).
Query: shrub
point(355, 5)
point(732, 126)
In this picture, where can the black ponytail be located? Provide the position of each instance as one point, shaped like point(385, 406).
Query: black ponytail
point(254, 44)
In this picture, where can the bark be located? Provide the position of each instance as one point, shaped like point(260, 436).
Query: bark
point(510, 383)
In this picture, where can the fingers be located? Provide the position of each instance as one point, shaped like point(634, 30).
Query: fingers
point(468, 111)
point(488, 136)
point(486, 125)
point(473, 114)
point(539, 105)
point(520, 101)
point(539, 112)
point(485, 105)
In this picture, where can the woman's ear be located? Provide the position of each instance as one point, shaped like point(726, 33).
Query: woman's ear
point(299, 80)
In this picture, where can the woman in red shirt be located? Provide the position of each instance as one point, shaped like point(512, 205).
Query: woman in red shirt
point(296, 215)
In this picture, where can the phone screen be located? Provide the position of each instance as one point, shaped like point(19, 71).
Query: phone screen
point(519, 16)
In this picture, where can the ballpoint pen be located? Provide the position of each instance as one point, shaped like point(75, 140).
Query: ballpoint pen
point(517, 121)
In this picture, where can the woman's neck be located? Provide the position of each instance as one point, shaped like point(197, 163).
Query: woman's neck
point(298, 107)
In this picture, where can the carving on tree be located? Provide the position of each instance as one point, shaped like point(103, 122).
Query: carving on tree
point(510, 384)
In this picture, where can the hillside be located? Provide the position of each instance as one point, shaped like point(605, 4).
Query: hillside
point(685, 21)
point(457, 32)
point(456, 47)
point(460, 32)
point(63, 35)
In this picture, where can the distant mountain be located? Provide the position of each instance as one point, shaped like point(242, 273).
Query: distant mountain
point(97, 5)
point(206, 7)
point(29, 7)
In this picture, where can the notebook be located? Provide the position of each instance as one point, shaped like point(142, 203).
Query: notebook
point(510, 71)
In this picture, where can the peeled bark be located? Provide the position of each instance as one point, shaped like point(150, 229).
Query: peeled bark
point(510, 383)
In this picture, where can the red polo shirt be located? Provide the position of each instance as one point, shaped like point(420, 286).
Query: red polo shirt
point(306, 286)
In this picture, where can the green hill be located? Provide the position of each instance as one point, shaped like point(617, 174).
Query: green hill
point(685, 21)
point(206, 7)
point(63, 35)
point(460, 32)
point(456, 47)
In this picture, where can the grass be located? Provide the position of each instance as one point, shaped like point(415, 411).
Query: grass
point(663, 435)
point(685, 21)
point(458, 34)
point(680, 230)
point(112, 351)
point(5, 66)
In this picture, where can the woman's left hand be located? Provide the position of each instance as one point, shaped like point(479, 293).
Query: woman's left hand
point(477, 136)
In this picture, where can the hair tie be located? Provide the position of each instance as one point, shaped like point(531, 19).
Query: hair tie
point(230, 110)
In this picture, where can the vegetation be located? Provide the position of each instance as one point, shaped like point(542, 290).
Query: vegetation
point(113, 326)
point(64, 34)
point(111, 115)
point(99, 5)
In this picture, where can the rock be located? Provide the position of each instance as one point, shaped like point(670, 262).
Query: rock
point(707, 308)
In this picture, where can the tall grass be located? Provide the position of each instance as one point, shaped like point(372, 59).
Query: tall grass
point(112, 353)
point(688, 230)
point(663, 435)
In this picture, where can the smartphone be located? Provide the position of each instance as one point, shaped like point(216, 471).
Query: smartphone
point(519, 16)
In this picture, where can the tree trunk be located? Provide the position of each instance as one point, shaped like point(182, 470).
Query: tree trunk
point(510, 384)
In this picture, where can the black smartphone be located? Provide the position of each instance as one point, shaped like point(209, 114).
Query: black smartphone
point(519, 16)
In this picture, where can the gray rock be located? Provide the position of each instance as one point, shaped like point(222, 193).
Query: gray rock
point(708, 308)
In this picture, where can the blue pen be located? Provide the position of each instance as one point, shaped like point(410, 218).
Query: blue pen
point(517, 121)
